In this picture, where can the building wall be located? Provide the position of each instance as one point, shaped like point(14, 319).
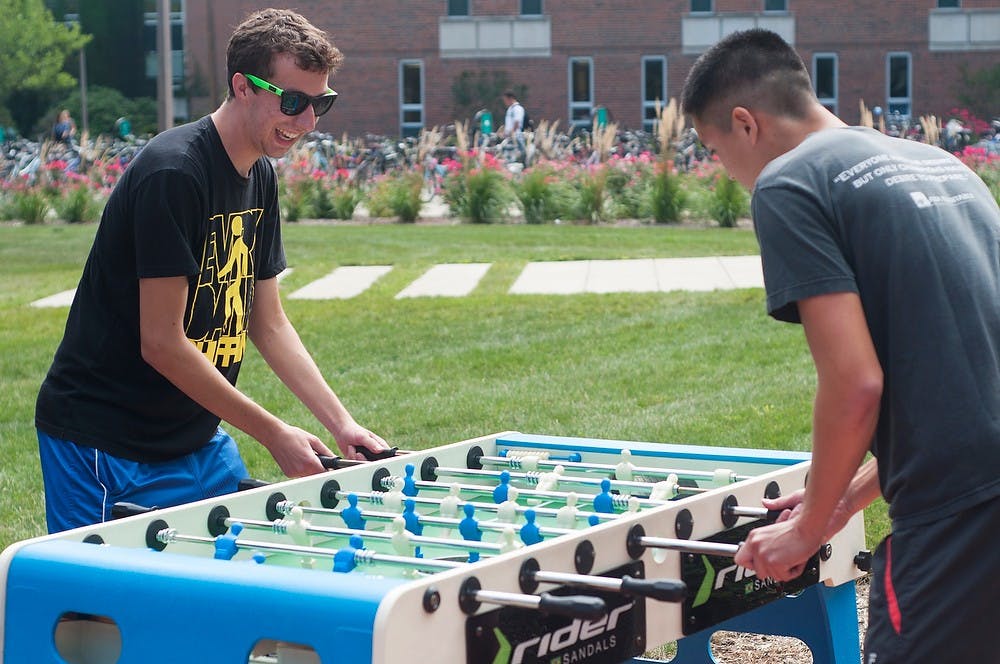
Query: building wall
point(375, 35)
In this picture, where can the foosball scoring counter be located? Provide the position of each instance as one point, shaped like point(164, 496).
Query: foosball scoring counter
point(505, 549)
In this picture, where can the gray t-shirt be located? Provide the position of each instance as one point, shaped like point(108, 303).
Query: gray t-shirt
point(916, 235)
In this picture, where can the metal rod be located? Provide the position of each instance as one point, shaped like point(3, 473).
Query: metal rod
point(584, 466)
point(688, 546)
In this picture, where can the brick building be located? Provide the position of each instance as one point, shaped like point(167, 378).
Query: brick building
point(405, 58)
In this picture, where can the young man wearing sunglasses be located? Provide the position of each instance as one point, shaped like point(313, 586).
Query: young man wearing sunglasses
point(182, 272)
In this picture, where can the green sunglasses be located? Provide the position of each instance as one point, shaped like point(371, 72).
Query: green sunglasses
point(294, 102)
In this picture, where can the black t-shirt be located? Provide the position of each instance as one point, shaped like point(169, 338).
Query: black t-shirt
point(917, 235)
point(180, 209)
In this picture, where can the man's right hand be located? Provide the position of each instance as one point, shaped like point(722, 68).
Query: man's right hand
point(295, 451)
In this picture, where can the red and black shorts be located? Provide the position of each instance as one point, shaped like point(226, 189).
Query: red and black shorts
point(935, 595)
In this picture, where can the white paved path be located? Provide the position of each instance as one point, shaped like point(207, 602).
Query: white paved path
point(645, 275)
point(344, 282)
point(447, 280)
point(639, 275)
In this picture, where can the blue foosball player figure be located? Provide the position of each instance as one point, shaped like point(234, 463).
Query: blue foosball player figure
point(351, 514)
point(604, 502)
point(225, 545)
point(529, 531)
point(469, 529)
point(409, 484)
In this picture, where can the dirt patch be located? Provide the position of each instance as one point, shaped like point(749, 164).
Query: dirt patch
point(743, 648)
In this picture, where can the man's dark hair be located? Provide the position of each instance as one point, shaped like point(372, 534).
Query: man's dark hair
point(756, 69)
point(509, 94)
point(268, 32)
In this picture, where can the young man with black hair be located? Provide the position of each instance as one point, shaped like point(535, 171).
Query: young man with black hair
point(887, 252)
point(182, 271)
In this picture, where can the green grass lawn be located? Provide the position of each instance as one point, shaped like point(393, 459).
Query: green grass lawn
point(701, 368)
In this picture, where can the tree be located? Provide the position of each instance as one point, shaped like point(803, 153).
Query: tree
point(33, 49)
point(980, 90)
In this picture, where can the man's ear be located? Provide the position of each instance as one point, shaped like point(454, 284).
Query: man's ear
point(744, 123)
point(241, 86)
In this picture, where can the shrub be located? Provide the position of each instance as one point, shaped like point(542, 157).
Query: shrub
point(378, 195)
point(404, 197)
point(78, 204)
point(592, 194)
point(666, 196)
point(298, 198)
point(478, 195)
point(729, 201)
point(396, 195)
point(30, 205)
point(540, 194)
point(345, 199)
point(628, 187)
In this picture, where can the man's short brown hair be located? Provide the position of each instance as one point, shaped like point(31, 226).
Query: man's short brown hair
point(756, 69)
point(268, 32)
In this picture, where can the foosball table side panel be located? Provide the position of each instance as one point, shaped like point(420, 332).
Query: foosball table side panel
point(170, 608)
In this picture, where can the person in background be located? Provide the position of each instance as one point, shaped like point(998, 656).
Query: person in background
point(887, 251)
point(513, 121)
point(64, 129)
point(182, 272)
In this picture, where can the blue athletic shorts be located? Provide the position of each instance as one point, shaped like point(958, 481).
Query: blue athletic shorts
point(82, 483)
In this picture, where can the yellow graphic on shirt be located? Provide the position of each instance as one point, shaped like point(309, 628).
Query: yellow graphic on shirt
point(220, 305)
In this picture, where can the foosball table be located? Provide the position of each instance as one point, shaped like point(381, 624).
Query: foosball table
point(506, 549)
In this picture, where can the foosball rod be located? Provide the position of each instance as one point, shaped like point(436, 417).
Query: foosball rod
point(532, 478)
point(378, 498)
point(281, 528)
point(426, 520)
point(471, 595)
point(532, 463)
point(637, 541)
point(360, 556)
point(665, 590)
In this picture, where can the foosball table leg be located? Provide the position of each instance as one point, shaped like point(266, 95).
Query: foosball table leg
point(824, 618)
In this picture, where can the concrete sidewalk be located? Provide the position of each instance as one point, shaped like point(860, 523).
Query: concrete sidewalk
point(645, 275)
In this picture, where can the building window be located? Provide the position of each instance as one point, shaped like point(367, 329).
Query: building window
point(411, 97)
point(458, 7)
point(701, 6)
point(531, 7)
point(948, 4)
point(776, 5)
point(581, 91)
point(824, 77)
point(654, 88)
point(900, 83)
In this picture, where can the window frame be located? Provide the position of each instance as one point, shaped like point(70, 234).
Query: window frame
point(448, 8)
point(710, 10)
point(892, 103)
point(541, 8)
point(411, 128)
point(831, 103)
point(579, 104)
point(648, 124)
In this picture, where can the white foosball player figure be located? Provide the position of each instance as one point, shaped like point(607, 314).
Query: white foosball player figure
point(624, 469)
point(507, 511)
point(566, 515)
point(451, 502)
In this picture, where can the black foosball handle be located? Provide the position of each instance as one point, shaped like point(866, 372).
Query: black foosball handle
point(336, 463)
point(572, 606)
point(387, 453)
point(248, 483)
point(665, 590)
point(123, 509)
